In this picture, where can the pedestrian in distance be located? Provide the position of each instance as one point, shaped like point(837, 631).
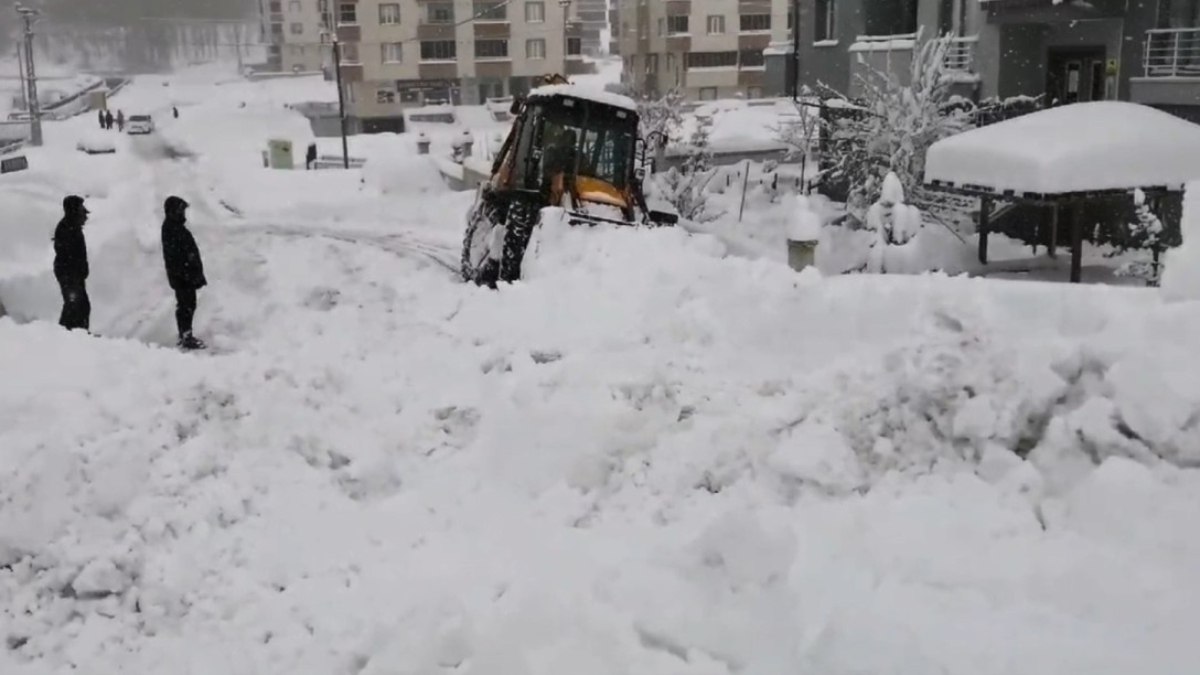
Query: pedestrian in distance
point(108, 119)
point(100, 114)
point(310, 156)
point(185, 270)
point(120, 120)
point(175, 112)
point(71, 265)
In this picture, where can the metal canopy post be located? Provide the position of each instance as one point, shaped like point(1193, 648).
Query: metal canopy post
point(1052, 245)
point(985, 208)
point(1076, 242)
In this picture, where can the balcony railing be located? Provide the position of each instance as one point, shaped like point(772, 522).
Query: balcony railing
point(1172, 52)
point(960, 54)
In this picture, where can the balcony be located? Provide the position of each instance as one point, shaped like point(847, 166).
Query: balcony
point(1170, 68)
point(960, 55)
point(1172, 52)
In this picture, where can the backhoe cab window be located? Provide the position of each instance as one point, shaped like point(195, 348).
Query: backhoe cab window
point(588, 140)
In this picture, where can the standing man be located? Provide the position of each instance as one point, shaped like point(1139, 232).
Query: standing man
point(108, 120)
point(100, 113)
point(71, 265)
point(185, 271)
point(120, 120)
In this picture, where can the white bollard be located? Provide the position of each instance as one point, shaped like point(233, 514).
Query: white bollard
point(804, 231)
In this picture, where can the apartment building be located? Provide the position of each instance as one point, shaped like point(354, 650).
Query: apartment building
point(707, 49)
point(403, 53)
point(1147, 51)
point(292, 31)
point(593, 19)
point(614, 21)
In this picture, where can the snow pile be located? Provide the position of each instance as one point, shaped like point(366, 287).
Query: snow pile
point(1181, 278)
point(653, 455)
point(804, 224)
point(1056, 151)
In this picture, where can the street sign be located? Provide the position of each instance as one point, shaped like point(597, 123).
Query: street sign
point(12, 164)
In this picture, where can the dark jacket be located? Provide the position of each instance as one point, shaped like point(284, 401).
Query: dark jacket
point(70, 250)
point(185, 270)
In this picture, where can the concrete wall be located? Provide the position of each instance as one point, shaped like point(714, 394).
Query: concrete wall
point(1022, 60)
point(828, 63)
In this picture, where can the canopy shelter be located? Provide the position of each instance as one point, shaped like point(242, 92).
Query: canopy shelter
point(1064, 157)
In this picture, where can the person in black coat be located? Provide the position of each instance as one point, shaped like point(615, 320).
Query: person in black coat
point(71, 265)
point(185, 270)
point(108, 119)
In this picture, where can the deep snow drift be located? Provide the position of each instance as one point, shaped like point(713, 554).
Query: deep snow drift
point(650, 457)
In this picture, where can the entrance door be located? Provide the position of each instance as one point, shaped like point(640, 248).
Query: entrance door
point(1075, 75)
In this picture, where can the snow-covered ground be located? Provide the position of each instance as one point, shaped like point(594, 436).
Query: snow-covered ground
point(655, 455)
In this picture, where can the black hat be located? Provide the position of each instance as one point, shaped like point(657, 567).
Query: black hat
point(74, 204)
point(174, 203)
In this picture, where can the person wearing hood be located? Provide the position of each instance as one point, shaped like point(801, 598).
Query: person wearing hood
point(71, 265)
point(185, 270)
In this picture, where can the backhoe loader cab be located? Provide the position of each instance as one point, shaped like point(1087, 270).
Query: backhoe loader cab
point(569, 148)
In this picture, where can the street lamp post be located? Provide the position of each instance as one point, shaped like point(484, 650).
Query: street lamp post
point(31, 96)
point(566, 7)
point(337, 69)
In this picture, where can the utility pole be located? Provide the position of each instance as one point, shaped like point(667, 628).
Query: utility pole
point(795, 51)
point(566, 8)
point(337, 68)
point(31, 95)
point(21, 75)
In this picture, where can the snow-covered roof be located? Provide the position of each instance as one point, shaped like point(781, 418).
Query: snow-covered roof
point(1102, 145)
point(585, 93)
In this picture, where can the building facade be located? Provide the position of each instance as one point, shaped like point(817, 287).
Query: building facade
point(292, 30)
point(403, 53)
point(593, 20)
point(1147, 51)
point(707, 49)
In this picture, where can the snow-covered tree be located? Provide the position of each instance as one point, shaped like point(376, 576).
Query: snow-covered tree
point(898, 119)
point(894, 223)
point(1146, 233)
point(801, 134)
point(686, 188)
point(660, 120)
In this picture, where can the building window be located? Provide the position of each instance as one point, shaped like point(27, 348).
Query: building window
point(348, 12)
point(297, 28)
point(294, 6)
point(535, 48)
point(677, 24)
point(535, 12)
point(323, 6)
point(389, 14)
point(755, 22)
point(491, 11)
point(439, 50)
point(716, 24)
point(711, 59)
point(440, 12)
point(574, 46)
point(826, 23)
point(348, 90)
point(491, 49)
point(708, 93)
point(752, 58)
point(385, 96)
point(392, 52)
point(350, 52)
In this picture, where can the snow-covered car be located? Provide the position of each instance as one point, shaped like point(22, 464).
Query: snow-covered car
point(96, 142)
point(140, 124)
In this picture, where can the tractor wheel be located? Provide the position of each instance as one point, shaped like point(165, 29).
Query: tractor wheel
point(478, 264)
point(522, 217)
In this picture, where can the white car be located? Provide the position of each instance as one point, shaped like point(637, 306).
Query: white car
point(140, 124)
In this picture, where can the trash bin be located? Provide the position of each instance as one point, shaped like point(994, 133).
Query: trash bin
point(802, 254)
point(423, 144)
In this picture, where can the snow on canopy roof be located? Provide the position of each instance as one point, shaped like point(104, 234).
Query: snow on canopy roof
point(1083, 147)
point(585, 93)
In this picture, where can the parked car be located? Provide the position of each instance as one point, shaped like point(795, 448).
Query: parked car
point(140, 124)
point(96, 142)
